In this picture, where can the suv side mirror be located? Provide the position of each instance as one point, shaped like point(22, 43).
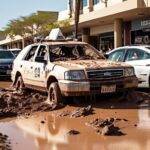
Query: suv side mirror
point(40, 59)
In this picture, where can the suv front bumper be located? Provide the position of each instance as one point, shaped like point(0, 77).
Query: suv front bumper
point(82, 88)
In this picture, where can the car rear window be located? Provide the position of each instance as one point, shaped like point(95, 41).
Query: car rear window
point(6, 55)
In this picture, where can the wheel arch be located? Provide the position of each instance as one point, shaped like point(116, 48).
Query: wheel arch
point(18, 74)
point(50, 80)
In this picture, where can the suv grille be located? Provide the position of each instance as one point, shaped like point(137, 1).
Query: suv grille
point(105, 74)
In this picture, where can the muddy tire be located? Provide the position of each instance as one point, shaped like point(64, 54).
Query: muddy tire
point(54, 94)
point(19, 86)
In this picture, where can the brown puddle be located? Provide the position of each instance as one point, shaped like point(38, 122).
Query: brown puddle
point(46, 131)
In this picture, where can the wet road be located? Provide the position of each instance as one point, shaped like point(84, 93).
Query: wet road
point(47, 131)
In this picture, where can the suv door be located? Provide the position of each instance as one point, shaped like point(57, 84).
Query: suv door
point(39, 67)
point(118, 55)
point(27, 65)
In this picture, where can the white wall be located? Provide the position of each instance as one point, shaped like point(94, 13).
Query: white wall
point(63, 15)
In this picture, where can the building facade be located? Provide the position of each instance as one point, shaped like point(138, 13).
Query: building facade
point(107, 24)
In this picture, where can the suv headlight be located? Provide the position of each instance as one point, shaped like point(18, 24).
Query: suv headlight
point(129, 72)
point(75, 75)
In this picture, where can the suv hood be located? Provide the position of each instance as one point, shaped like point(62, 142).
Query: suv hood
point(90, 64)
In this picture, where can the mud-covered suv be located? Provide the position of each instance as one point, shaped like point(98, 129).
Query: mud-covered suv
point(70, 68)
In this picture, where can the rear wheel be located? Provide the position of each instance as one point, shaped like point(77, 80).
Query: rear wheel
point(54, 93)
point(19, 86)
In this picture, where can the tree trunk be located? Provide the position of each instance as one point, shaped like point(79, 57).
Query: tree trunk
point(23, 43)
point(77, 14)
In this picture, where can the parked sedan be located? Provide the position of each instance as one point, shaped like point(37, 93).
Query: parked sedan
point(6, 61)
point(138, 57)
point(15, 51)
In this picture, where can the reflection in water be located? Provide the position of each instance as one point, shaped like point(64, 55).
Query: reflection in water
point(124, 145)
point(144, 118)
point(46, 132)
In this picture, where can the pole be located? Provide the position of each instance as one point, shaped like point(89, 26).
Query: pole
point(77, 14)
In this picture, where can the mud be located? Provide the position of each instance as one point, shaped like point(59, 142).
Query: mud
point(79, 112)
point(17, 103)
point(45, 130)
point(73, 132)
point(4, 142)
point(106, 126)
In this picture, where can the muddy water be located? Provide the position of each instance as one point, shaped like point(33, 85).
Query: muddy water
point(47, 131)
point(5, 84)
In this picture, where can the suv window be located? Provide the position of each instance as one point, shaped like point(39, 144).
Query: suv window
point(42, 52)
point(137, 54)
point(117, 55)
point(31, 53)
point(73, 52)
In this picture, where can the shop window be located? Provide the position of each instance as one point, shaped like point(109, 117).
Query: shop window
point(84, 3)
point(95, 2)
point(140, 37)
point(107, 42)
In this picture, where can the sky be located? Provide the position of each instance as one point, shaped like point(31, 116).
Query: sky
point(11, 9)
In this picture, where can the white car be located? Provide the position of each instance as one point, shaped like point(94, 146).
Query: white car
point(138, 57)
point(69, 68)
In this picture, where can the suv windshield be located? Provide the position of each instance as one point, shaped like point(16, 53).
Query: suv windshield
point(6, 55)
point(74, 52)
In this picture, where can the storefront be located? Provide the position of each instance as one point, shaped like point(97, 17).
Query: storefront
point(106, 41)
point(140, 32)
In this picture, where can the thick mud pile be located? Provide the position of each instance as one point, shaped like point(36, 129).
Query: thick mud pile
point(79, 112)
point(4, 142)
point(16, 103)
point(106, 127)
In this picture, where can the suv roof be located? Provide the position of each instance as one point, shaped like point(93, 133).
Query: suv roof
point(135, 46)
point(61, 42)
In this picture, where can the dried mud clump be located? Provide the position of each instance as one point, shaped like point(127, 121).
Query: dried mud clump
point(4, 142)
point(64, 114)
point(16, 103)
point(80, 112)
point(73, 132)
point(106, 127)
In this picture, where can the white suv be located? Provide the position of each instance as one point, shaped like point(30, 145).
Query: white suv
point(69, 68)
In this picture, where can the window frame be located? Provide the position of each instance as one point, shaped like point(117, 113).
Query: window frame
point(121, 49)
point(24, 58)
point(129, 49)
point(36, 53)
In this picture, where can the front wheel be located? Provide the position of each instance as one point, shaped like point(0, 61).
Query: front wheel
point(54, 93)
point(19, 86)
